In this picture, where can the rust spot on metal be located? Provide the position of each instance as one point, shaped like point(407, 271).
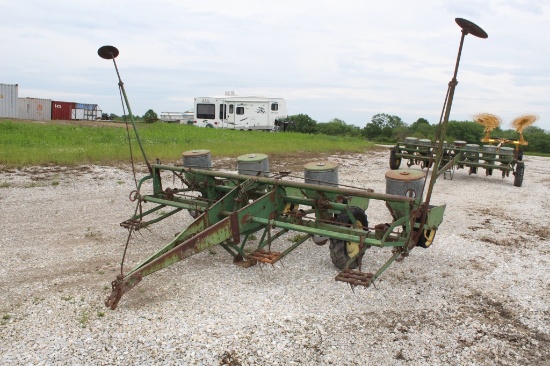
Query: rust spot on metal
point(246, 219)
point(132, 224)
point(380, 230)
point(355, 278)
point(169, 194)
point(234, 220)
point(264, 256)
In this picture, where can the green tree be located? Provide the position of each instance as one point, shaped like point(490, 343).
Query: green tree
point(421, 128)
point(504, 134)
point(399, 133)
point(419, 122)
point(372, 130)
point(468, 131)
point(538, 139)
point(150, 116)
point(302, 123)
point(383, 127)
point(126, 117)
point(337, 127)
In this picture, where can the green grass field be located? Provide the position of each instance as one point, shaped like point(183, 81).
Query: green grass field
point(31, 143)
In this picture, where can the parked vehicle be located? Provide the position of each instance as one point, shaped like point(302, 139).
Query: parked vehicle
point(240, 113)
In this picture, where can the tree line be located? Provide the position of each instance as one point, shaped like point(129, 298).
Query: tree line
point(385, 128)
point(149, 117)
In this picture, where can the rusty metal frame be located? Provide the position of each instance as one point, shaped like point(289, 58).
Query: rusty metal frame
point(243, 205)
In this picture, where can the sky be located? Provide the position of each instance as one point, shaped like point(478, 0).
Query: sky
point(348, 59)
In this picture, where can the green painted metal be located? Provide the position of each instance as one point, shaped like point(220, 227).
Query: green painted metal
point(233, 205)
point(502, 159)
point(435, 217)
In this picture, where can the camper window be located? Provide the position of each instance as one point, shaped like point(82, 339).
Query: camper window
point(231, 109)
point(206, 111)
point(274, 106)
point(240, 110)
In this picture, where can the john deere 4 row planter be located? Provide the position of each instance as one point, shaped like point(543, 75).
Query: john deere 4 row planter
point(255, 207)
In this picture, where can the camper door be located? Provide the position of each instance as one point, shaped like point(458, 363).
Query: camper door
point(230, 116)
point(242, 117)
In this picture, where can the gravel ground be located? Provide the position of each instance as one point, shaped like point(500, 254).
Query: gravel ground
point(478, 295)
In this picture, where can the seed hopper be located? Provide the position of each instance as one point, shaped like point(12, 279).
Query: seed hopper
point(237, 210)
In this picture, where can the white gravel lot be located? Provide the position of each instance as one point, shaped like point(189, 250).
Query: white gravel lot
point(479, 295)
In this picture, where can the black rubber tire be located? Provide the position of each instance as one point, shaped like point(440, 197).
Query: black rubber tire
point(394, 161)
point(422, 240)
point(520, 169)
point(338, 248)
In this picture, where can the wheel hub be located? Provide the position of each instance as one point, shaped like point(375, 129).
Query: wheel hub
point(353, 247)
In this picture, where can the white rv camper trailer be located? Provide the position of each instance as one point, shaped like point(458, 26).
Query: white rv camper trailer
point(239, 113)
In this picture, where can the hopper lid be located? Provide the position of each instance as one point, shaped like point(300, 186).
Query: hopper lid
point(252, 157)
point(195, 152)
point(405, 174)
point(321, 166)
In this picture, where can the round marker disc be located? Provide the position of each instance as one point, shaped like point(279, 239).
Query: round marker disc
point(107, 52)
point(471, 28)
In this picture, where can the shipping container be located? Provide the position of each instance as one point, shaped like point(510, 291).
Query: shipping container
point(89, 112)
point(34, 109)
point(8, 100)
point(77, 114)
point(62, 110)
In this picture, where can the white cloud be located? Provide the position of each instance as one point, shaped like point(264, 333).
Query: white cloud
point(349, 59)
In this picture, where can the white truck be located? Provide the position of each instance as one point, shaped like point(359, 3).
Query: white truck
point(240, 113)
